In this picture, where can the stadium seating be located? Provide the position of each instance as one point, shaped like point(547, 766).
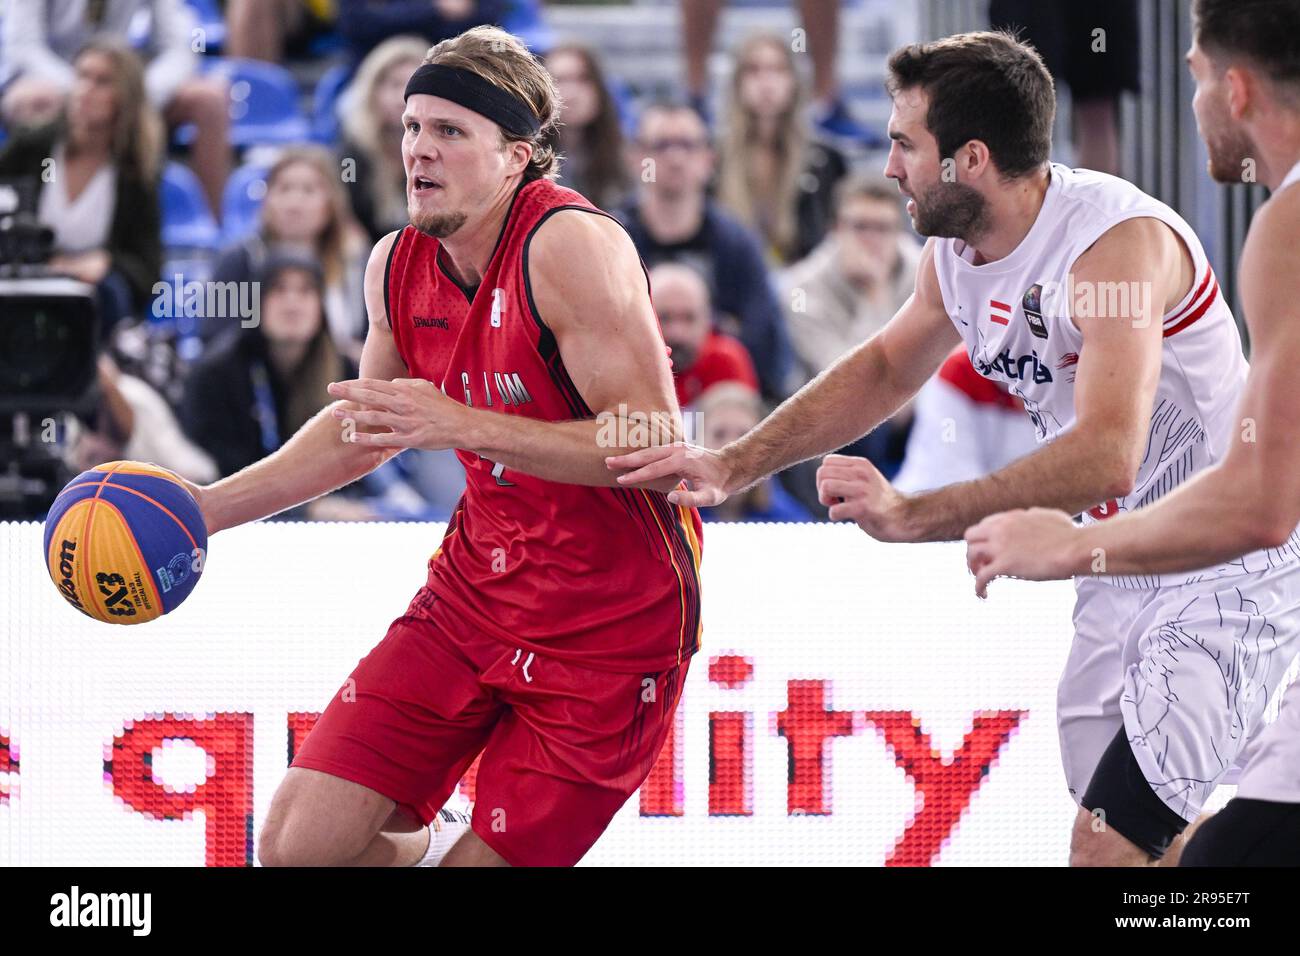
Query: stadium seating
point(242, 199)
point(263, 104)
point(187, 222)
point(324, 121)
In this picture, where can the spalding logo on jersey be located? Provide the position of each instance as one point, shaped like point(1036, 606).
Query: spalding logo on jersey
point(1033, 306)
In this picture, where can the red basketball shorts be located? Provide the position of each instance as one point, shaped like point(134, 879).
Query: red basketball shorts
point(563, 746)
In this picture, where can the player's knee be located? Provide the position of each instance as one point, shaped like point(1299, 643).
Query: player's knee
point(1085, 847)
point(1093, 843)
point(270, 848)
point(287, 845)
point(286, 839)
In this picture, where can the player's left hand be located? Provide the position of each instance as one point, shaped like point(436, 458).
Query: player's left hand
point(854, 489)
point(414, 410)
point(1037, 544)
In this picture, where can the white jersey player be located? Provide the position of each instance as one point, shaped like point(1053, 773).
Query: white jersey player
point(1246, 61)
point(1095, 305)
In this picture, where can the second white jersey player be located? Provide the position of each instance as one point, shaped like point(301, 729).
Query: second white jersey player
point(1183, 666)
point(1014, 316)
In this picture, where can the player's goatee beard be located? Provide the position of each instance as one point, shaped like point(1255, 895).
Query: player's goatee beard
point(439, 225)
point(951, 211)
point(1228, 153)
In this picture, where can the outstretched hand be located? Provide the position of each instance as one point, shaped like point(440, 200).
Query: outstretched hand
point(705, 471)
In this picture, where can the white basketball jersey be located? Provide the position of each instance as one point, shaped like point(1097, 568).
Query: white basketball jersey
point(1014, 316)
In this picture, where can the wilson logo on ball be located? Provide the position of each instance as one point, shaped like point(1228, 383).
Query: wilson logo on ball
point(116, 540)
point(66, 586)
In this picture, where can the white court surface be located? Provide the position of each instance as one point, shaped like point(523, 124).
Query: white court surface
point(893, 633)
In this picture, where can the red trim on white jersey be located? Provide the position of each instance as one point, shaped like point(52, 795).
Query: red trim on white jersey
point(1200, 303)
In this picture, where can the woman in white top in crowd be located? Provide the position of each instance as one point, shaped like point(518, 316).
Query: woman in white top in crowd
point(95, 172)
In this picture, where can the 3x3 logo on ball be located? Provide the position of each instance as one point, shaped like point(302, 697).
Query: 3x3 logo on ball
point(113, 587)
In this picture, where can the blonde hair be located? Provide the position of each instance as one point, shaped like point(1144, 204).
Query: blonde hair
point(333, 246)
point(136, 142)
point(737, 189)
point(504, 61)
point(359, 121)
point(362, 125)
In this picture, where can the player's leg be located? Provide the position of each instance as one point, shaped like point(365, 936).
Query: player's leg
point(1248, 832)
point(1202, 661)
point(1174, 855)
point(572, 747)
point(341, 830)
point(319, 820)
point(405, 841)
point(1089, 720)
point(1087, 704)
point(1260, 826)
point(470, 850)
point(385, 754)
point(1121, 821)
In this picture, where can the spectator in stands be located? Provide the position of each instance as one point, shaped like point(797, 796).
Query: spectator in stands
point(673, 219)
point(268, 29)
point(727, 412)
point(133, 422)
point(855, 280)
point(39, 38)
point(819, 20)
point(590, 137)
point(255, 390)
point(700, 356)
point(96, 175)
point(371, 110)
point(772, 174)
point(965, 427)
point(840, 296)
point(306, 211)
point(364, 24)
point(1067, 36)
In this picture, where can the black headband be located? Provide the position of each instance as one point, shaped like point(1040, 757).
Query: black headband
point(474, 93)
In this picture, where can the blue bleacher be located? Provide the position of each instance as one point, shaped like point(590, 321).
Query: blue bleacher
point(263, 103)
point(187, 222)
point(324, 121)
point(525, 20)
point(245, 190)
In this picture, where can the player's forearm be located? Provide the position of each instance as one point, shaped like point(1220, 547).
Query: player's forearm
point(839, 406)
point(1072, 474)
point(572, 452)
point(1215, 517)
point(315, 461)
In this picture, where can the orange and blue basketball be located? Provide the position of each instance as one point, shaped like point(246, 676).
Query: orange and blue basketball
point(125, 542)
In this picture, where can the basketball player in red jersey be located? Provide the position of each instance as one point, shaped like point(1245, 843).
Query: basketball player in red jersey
point(512, 322)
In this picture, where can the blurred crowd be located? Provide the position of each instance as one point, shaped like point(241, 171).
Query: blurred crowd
point(258, 142)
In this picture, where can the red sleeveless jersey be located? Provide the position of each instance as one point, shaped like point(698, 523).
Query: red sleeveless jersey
point(605, 577)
